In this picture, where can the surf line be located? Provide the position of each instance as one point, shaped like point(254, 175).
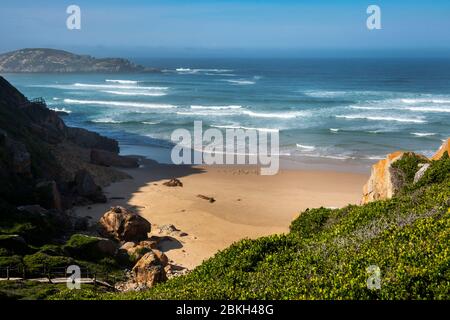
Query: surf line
point(259, 147)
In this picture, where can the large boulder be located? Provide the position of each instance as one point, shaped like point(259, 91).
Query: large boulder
point(86, 187)
point(108, 159)
point(149, 270)
point(124, 225)
point(135, 251)
point(48, 195)
point(387, 179)
point(445, 147)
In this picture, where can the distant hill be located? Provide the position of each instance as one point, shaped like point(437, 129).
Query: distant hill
point(43, 60)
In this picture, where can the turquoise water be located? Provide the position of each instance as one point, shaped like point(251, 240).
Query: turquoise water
point(344, 109)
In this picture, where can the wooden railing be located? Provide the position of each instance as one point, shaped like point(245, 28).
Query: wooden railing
point(56, 275)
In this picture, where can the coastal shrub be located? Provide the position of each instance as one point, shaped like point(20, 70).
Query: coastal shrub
point(310, 221)
point(10, 261)
point(14, 244)
point(408, 166)
point(28, 290)
point(327, 253)
point(52, 250)
point(38, 262)
point(438, 172)
point(83, 247)
point(35, 229)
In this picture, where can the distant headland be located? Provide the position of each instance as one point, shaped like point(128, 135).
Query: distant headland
point(45, 60)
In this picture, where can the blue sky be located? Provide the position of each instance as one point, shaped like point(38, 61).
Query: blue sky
point(200, 27)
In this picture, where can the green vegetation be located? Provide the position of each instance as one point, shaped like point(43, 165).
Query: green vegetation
point(407, 166)
point(83, 246)
point(327, 253)
point(31, 290)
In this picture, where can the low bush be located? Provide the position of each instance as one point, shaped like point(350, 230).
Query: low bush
point(331, 254)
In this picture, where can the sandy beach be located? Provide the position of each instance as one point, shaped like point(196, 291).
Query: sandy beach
point(247, 205)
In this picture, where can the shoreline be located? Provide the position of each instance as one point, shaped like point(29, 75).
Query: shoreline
point(349, 165)
point(246, 205)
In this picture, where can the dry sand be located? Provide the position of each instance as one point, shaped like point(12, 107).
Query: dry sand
point(247, 204)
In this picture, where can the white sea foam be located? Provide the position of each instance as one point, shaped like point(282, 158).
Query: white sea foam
point(111, 86)
point(334, 130)
point(423, 134)
point(105, 120)
point(371, 108)
point(424, 100)
point(327, 156)
point(280, 115)
point(136, 93)
point(324, 94)
point(207, 113)
point(121, 104)
point(379, 118)
point(244, 128)
point(374, 157)
point(306, 147)
point(189, 70)
point(234, 110)
point(239, 82)
point(150, 122)
point(61, 110)
point(216, 107)
point(430, 109)
point(122, 81)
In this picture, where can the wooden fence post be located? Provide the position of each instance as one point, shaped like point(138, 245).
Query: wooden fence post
point(7, 273)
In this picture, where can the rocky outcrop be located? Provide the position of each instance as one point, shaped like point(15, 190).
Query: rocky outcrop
point(91, 140)
point(173, 183)
point(108, 159)
point(171, 230)
point(385, 179)
point(124, 225)
point(86, 187)
point(21, 158)
point(37, 60)
point(49, 195)
point(445, 147)
point(36, 146)
point(136, 251)
point(149, 270)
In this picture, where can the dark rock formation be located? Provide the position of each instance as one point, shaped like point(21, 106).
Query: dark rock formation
point(41, 159)
point(89, 139)
point(86, 187)
point(107, 158)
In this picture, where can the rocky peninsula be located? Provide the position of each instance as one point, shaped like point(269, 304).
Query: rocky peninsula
point(44, 60)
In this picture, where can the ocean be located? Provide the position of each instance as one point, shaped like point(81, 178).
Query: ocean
point(343, 110)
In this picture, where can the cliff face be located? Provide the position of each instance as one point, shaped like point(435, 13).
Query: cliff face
point(40, 156)
point(59, 61)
